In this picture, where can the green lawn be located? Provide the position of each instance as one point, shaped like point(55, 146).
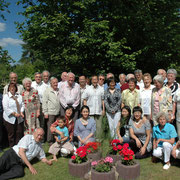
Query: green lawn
point(59, 169)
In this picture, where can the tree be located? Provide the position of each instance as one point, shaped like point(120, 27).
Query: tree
point(95, 36)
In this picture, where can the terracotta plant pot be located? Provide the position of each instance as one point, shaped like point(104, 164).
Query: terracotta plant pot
point(94, 156)
point(128, 172)
point(115, 158)
point(103, 175)
point(79, 170)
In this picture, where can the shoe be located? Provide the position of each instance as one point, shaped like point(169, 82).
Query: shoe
point(166, 166)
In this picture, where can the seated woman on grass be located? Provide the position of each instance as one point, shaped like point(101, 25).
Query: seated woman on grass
point(140, 133)
point(62, 140)
point(122, 129)
point(164, 135)
point(85, 127)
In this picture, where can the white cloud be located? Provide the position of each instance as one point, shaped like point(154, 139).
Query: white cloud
point(10, 41)
point(2, 27)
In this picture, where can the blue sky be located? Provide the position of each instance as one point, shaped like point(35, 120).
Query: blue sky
point(9, 39)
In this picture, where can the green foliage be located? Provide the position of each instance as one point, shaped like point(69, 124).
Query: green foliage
point(5, 67)
point(3, 7)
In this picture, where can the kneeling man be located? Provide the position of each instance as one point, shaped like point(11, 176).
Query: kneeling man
point(12, 162)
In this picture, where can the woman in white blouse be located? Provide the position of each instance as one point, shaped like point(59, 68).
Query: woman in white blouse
point(13, 115)
point(145, 95)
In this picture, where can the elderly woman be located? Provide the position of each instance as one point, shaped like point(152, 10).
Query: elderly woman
point(85, 127)
point(161, 99)
point(140, 133)
point(145, 95)
point(172, 84)
point(130, 96)
point(164, 135)
point(112, 101)
point(13, 115)
point(176, 109)
point(51, 105)
point(32, 106)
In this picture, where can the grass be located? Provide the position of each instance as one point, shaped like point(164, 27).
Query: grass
point(59, 169)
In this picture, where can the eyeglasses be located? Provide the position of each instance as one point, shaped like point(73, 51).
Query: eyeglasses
point(101, 79)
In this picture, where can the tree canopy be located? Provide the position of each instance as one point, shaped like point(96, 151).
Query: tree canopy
point(94, 36)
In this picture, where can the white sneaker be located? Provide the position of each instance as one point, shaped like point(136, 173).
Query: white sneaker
point(166, 166)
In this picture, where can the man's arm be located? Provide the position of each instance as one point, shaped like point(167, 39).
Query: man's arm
point(24, 158)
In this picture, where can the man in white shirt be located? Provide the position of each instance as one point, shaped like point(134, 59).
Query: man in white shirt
point(63, 79)
point(69, 94)
point(12, 162)
point(101, 80)
point(93, 97)
point(13, 77)
point(139, 76)
point(45, 77)
point(83, 86)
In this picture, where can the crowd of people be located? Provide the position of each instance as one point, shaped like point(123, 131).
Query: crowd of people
point(141, 111)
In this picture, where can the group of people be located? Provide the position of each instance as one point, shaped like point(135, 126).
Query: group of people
point(144, 115)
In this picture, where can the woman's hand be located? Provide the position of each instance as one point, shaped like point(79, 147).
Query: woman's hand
point(17, 115)
point(142, 150)
point(138, 143)
point(121, 139)
point(38, 113)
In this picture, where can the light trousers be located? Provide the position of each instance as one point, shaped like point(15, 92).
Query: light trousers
point(178, 128)
point(163, 152)
point(113, 120)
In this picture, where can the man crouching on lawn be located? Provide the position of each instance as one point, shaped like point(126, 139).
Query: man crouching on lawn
point(12, 162)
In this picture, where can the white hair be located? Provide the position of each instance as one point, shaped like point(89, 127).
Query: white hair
point(26, 79)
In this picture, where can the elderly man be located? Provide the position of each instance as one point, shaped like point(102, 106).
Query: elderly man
point(83, 86)
point(12, 162)
point(63, 79)
point(69, 95)
point(13, 80)
point(111, 75)
point(139, 77)
point(45, 77)
point(122, 79)
point(51, 105)
point(162, 72)
point(94, 98)
point(126, 85)
point(39, 86)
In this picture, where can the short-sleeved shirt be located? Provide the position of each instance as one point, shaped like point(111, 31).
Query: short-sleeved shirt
point(141, 132)
point(167, 132)
point(33, 148)
point(64, 130)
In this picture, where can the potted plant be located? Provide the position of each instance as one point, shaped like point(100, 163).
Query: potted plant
point(102, 169)
point(114, 150)
point(127, 168)
point(79, 164)
point(94, 153)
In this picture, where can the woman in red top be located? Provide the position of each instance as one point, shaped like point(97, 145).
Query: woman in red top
point(69, 113)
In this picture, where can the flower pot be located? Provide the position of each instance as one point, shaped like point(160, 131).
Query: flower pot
point(79, 170)
point(103, 175)
point(95, 156)
point(115, 158)
point(128, 172)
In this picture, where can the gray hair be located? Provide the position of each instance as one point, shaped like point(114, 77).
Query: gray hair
point(137, 71)
point(37, 73)
point(160, 70)
point(70, 73)
point(12, 73)
point(110, 74)
point(45, 71)
point(128, 76)
point(26, 79)
point(172, 71)
point(52, 78)
point(162, 114)
point(121, 75)
point(159, 78)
